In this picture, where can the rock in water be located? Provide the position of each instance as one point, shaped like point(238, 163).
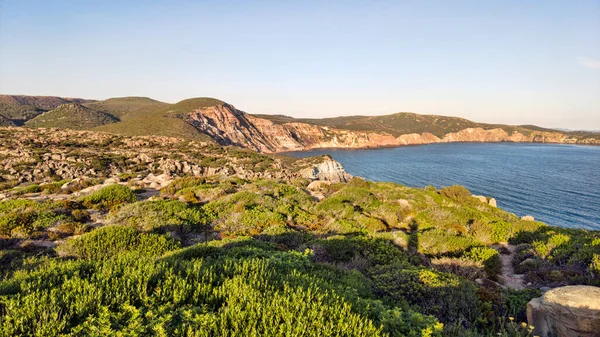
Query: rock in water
point(572, 311)
point(492, 202)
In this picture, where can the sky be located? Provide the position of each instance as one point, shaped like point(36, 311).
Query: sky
point(499, 61)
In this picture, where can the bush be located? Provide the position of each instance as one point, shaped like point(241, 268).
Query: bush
point(489, 257)
point(181, 183)
point(105, 242)
point(222, 291)
point(445, 296)
point(34, 188)
point(455, 192)
point(80, 215)
point(109, 197)
point(22, 224)
point(161, 215)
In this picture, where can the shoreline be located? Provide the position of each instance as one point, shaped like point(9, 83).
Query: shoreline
point(422, 144)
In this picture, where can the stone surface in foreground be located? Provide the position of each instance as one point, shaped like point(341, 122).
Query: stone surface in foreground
point(572, 311)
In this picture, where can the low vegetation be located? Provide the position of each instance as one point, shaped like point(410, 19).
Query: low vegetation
point(220, 255)
point(92, 242)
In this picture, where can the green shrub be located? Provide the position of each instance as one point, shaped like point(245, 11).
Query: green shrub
point(34, 188)
point(109, 197)
point(80, 215)
point(182, 183)
point(161, 215)
point(448, 297)
point(22, 224)
point(105, 242)
point(489, 257)
point(227, 292)
point(455, 192)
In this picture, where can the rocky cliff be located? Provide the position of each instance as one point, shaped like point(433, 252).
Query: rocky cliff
point(230, 126)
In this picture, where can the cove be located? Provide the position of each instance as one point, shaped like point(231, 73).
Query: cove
point(557, 184)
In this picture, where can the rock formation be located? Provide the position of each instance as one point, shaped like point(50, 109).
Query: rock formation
point(229, 126)
point(41, 155)
point(571, 311)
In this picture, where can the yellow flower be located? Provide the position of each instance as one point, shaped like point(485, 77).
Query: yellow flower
point(524, 324)
point(511, 318)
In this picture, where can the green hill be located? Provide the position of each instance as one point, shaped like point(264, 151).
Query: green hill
point(399, 123)
point(21, 108)
point(72, 116)
point(166, 120)
point(121, 106)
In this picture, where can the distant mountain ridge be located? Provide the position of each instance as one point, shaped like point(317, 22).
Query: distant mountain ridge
point(210, 119)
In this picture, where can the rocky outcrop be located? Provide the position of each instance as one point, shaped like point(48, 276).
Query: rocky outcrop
point(229, 126)
point(328, 169)
point(42, 155)
point(572, 311)
point(490, 201)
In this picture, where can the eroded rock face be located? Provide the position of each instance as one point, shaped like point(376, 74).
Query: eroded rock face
point(230, 126)
point(571, 311)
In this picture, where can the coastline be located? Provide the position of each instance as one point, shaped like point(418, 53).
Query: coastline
point(378, 147)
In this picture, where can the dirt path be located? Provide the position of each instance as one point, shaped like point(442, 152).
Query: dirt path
point(511, 280)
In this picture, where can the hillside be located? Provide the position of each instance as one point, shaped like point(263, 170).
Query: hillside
point(208, 119)
point(4, 121)
point(122, 106)
point(71, 116)
point(115, 235)
point(164, 120)
point(21, 108)
point(279, 133)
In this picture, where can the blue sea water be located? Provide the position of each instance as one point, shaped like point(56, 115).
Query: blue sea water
point(557, 184)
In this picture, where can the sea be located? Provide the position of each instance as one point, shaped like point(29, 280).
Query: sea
point(556, 184)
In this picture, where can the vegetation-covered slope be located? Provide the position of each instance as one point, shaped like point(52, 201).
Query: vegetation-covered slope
point(240, 244)
point(20, 108)
point(166, 120)
point(262, 255)
point(4, 121)
point(403, 123)
point(71, 116)
point(208, 118)
point(122, 106)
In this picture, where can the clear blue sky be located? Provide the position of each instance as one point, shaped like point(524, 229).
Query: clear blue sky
point(502, 61)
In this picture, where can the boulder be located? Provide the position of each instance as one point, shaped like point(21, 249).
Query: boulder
point(492, 202)
point(480, 198)
point(527, 218)
point(404, 203)
point(571, 311)
point(317, 185)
